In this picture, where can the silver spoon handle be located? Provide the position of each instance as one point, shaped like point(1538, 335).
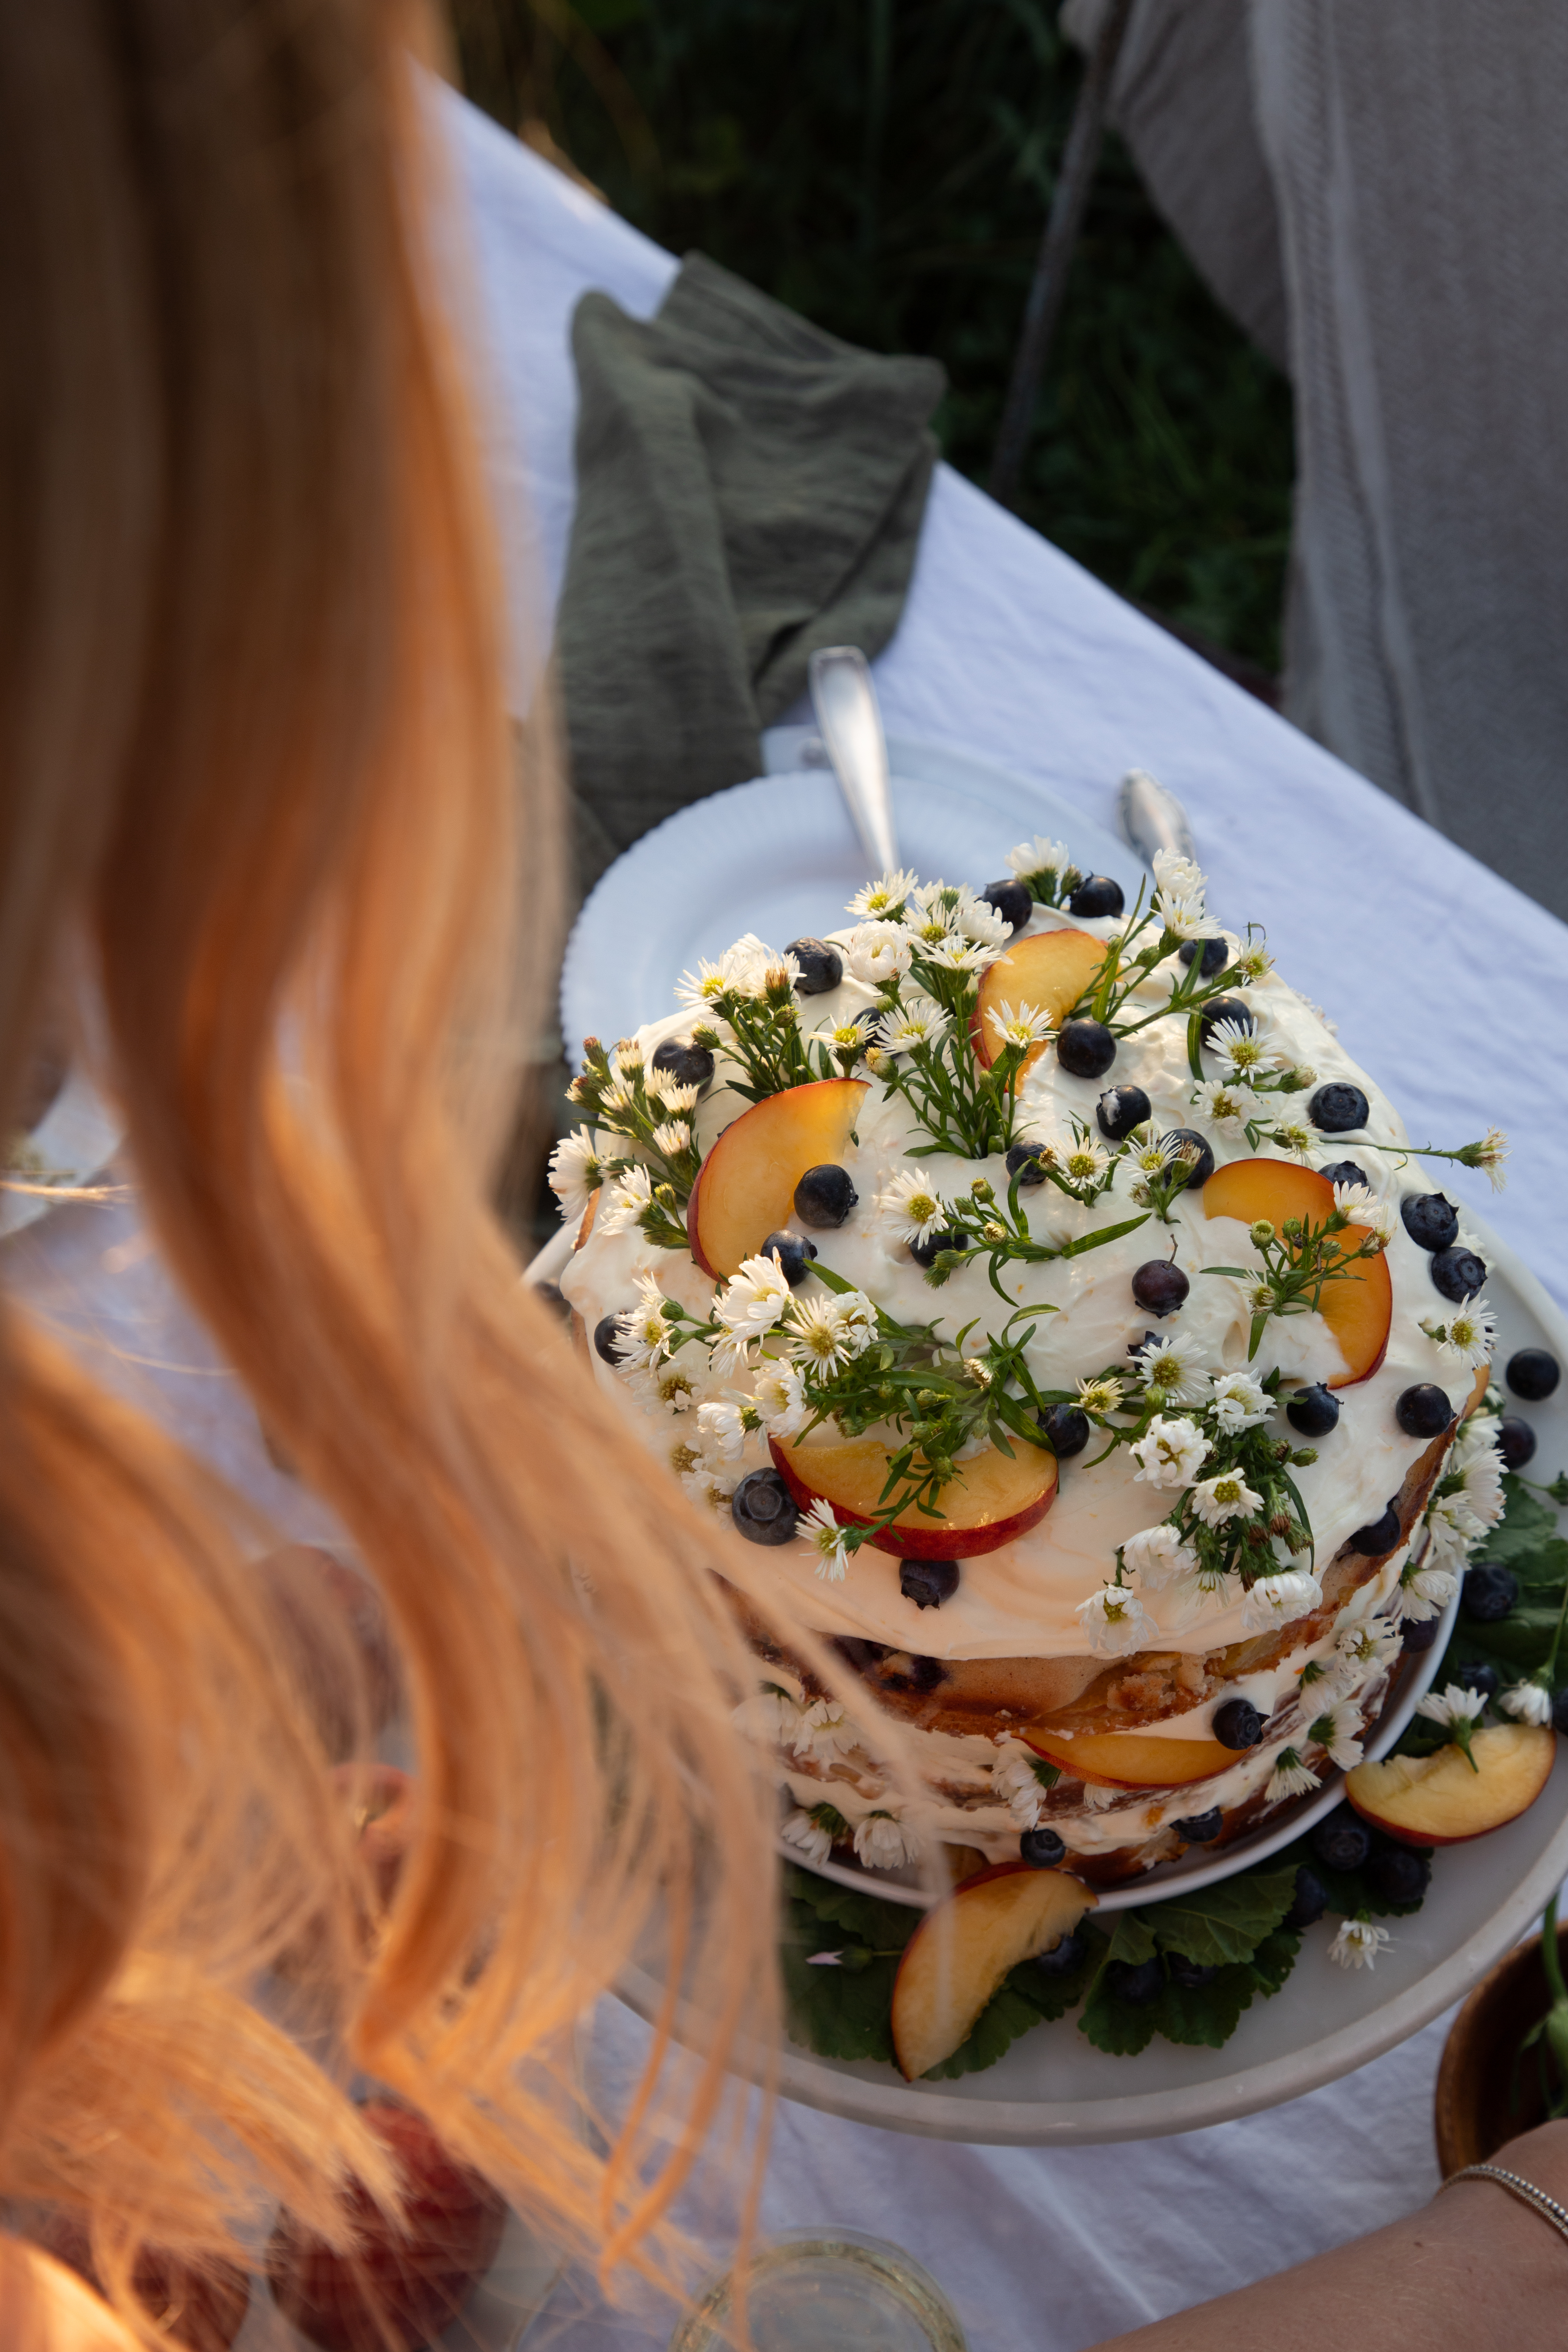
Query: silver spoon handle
point(850, 723)
point(1150, 817)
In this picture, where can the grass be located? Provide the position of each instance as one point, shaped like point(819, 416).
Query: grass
point(883, 166)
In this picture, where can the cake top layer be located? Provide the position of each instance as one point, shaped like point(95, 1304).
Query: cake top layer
point(1113, 1276)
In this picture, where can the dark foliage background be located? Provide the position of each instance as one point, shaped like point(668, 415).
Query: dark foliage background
point(884, 166)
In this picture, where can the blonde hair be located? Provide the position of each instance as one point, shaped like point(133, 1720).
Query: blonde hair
point(257, 777)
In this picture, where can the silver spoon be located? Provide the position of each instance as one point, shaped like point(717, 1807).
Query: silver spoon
point(850, 722)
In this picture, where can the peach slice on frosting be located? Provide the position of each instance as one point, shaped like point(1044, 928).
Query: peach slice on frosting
point(1050, 969)
point(745, 1187)
point(1358, 1308)
point(986, 1503)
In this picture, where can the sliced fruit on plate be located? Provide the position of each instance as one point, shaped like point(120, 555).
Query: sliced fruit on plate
point(1131, 1759)
point(1359, 1307)
point(745, 1187)
point(1050, 969)
point(963, 1947)
point(1439, 1800)
point(987, 1503)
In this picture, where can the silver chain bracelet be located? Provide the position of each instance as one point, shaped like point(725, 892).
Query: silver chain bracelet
point(1525, 2190)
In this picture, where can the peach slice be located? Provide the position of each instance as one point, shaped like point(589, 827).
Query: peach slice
point(1357, 1310)
point(586, 1225)
point(1050, 969)
point(1439, 1800)
point(963, 1947)
point(987, 1503)
point(745, 1187)
point(1474, 1400)
point(1131, 1759)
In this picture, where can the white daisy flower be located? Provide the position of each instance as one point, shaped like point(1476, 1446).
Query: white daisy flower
point(1338, 1729)
point(1358, 1944)
point(1083, 1162)
point(781, 1406)
point(1455, 1705)
point(664, 1088)
point(824, 1732)
point(726, 1426)
point(977, 918)
point(1469, 1335)
point(1279, 1599)
point(1380, 1222)
point(1250, 966)
point(1101, 1396)
point(1422, 1592)
point(884, 1843)
point(821, 1530)
point(954, 953)
point(1489, 1153)
point(919, 1021)
point(1224, 1497)
point(1040, 855)
point(1240, 1402)
point(1098, 1799)
point(671, 1138)
point(739, 971)
point(574, 1171)
point(1364, 1651)
point(628, 1196)
point(1225, 1106)
point(877, 952)
point(911, 1206)
point(884, 898)
point(769, 1715)
point(1170, 1370)
point(1015, 1780)
point(1115, 1622)
point(1157, 1554)
point(1170, 1453)
point(1300, 1143)
point(807, 1836)
point(1527, 1703)
point(644, 1333)
point(1239, 1049)
point(1355, 1202)
point(1290, 1778)
point(1024, 1026)
point(755, 1298)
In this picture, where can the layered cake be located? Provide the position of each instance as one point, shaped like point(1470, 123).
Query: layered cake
point(1075, 1337)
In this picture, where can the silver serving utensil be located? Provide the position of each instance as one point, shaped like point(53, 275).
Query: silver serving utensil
point(1149, 817)
point(845, 701)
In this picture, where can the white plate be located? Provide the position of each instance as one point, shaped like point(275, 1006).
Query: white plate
point(75, 1140)
point(779, 856)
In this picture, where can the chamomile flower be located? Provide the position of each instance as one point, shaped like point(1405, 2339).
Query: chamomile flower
point(776, 1393)
point(1422, 1594)
point(883, 1842)
point(954, 953)
point(1239, 1401)
point(911, 1207)
point(1453, 1706)
point(1252, 964)
point(1083, 1162)
point(664, 1088)
point(1157, 1554)
point(821, 1532)
point(977, 918)
point(806, 1835)
point(1039, 857)
point(755, 1298)
point(1338, 1729)
point(883, 900)
point(726, 1423)
point(919, 1021)
point(1379, 1223)
point(644, 1332)
point(738, 972)
point(1153, 1155)
point(828, 1333)
point(1355, 1202)
point(1171, 1372)
point(1363, 1651)
point(1527, 1703)
point(769, 1715)
point(1101, 1396)
point(630, 1195)
point(1237, 1049)
point(1469, 1336)
point(575, 1172)
point(1223, 1497)
point(1290, 1778)
point(1115, 1621)
point(1279, 1599)
point(628, 1056)
point(1016, 1782)
point(1025, 1026)
point(824, 1732)
point(1225, 1106)
point(1358, 1944)
point(1488, 1154)
point(877, 952)
point(1170, 1453)
point(1300, 1143)
point(671, 1138)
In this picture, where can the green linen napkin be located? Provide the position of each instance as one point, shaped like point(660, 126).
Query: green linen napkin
point(748, 489)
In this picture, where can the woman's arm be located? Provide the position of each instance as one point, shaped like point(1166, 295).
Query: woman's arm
point(1475, 2271)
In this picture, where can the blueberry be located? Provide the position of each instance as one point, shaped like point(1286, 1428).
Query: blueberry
point(1532, 1374)
point(1314, 1410)
point(687, 1064)
point(862, 1655)
point(928, 1673)
point(1225, 1008)
point(1489, 1592)
point(1067, 1430)
point(825, 1195)
point(1458, 1274)
point(1068, 1955)
point(1097, 894)
point(1342, 1841)
point(1159, 1286)
point(821, 967)
point(925, 1253)
point(1379, 1536)
point(1217, 955)
point(1431, 1220)
point(1238, 1724)
point(1515, 1442)
point(1560, 1712)
point(1023, 1162)
point(1309, 1904)
point(1419, 1637)
point(1012, 901)
point(928, 1582)
point(1397, 1875)
point(763, 1509)
point(1423, 1410)
point(794, 1252)
point(1200, 1829)
point(1201, 1164)
point(1345, 1171)
point(1339, 1110)
point(1119, 1109)
point(1484, 1680)
point(1086, 1049)
point(1136, 1982)
point(1189, 1974)
point(1042, 1848)
point(606, 1334)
